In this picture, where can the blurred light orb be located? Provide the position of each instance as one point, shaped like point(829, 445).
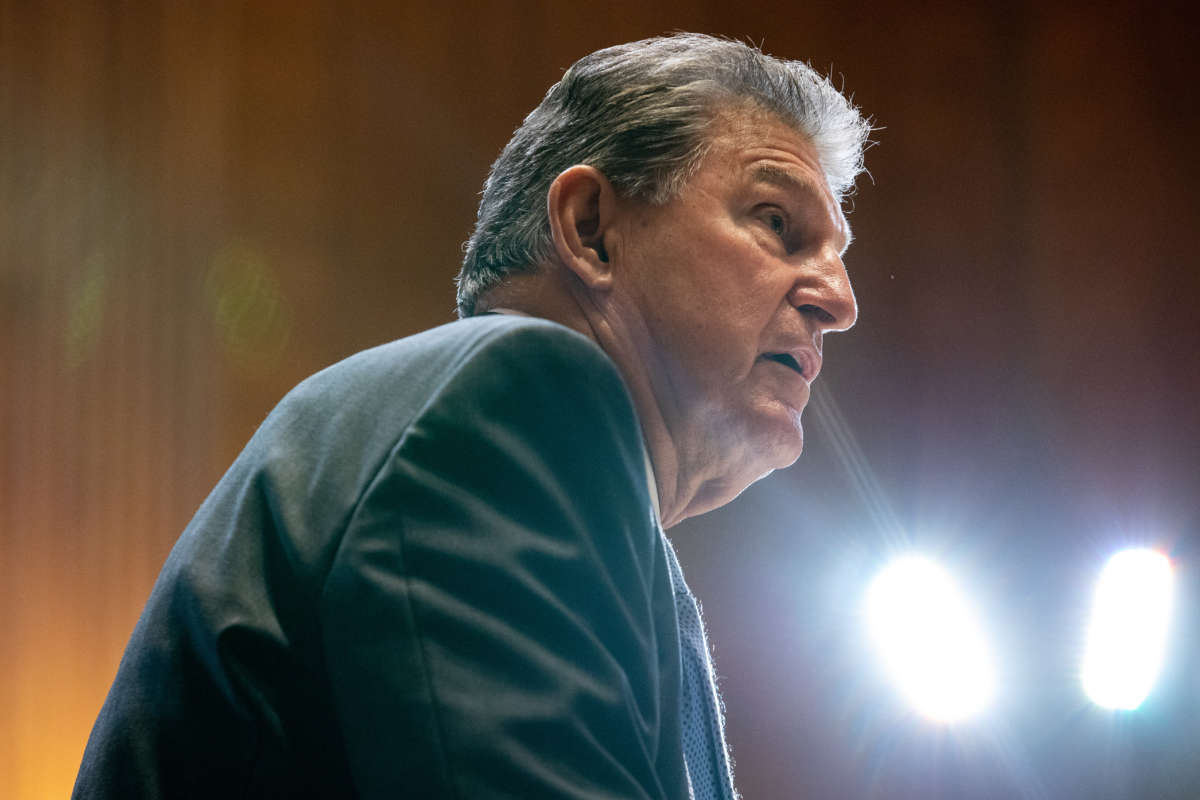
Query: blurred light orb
point(929, 640)
point(1127, 635)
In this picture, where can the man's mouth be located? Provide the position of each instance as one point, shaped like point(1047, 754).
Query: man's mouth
point(787, 360)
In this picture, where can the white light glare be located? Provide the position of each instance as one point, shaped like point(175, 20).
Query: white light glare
point(929, 640)
point(1128, 631)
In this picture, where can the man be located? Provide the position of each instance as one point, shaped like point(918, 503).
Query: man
point(438, 568)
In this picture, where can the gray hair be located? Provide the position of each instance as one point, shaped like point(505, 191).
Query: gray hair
point(638, 112)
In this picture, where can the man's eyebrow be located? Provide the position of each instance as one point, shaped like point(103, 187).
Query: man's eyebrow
point(783, 178)
point(802, 184)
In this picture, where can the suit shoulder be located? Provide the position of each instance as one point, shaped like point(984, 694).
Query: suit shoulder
point(426, 359)
point(536, 345)
point(539, 388)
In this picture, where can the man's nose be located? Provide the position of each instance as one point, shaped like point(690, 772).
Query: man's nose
point(824, 292)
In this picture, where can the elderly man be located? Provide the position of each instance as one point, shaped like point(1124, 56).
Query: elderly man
point(438, 568)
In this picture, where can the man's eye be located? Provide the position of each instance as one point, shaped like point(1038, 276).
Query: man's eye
point(775, 220)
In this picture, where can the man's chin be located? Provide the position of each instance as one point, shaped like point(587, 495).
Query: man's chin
point(778, 451)
point(781, 440)
point(788, 457)
point(757, 444)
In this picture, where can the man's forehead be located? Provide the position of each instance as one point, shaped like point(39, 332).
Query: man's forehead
point(750, 136)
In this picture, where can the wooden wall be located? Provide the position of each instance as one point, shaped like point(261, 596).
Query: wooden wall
point(201, 203)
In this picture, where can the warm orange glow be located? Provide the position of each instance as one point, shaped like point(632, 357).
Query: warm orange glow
point(1024, 265)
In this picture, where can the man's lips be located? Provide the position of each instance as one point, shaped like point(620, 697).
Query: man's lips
point(806, 363)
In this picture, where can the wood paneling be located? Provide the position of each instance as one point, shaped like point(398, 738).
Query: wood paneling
point(201, 203)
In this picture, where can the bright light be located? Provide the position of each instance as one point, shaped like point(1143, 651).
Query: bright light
point(1128, 632)
point(929, 640)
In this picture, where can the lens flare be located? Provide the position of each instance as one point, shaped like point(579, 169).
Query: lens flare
point(1128, 632)
point(929, 640)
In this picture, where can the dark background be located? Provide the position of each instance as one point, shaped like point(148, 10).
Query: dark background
point(202, 203)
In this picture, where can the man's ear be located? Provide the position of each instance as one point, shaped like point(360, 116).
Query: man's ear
point(581, 205)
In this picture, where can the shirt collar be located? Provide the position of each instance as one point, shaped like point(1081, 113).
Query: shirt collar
point(653, 484)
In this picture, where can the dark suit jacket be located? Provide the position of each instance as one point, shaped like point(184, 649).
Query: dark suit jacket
point(433, 572)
